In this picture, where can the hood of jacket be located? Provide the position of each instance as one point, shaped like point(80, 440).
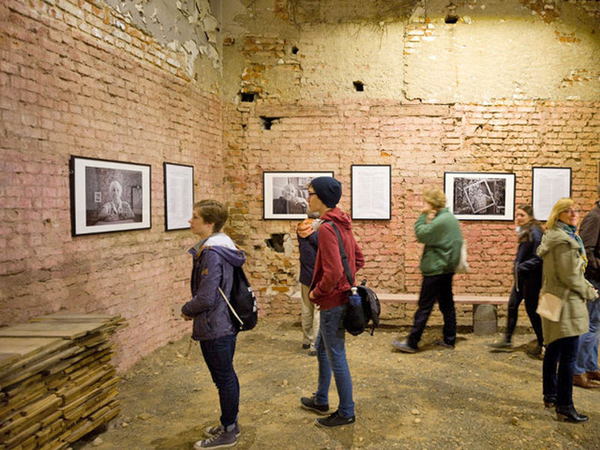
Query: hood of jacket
point(224, 246)
point(339, 217)
point(553, 237)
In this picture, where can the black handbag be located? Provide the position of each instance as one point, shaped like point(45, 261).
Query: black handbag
point(354, 320)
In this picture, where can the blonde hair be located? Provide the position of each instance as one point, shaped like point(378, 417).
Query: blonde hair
point(559, 207)
point(435, 197)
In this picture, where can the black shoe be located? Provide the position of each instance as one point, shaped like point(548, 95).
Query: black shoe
point(444, 344)
point(549, 402)
point(335, 420)
point(568, 414)
point(309, 403)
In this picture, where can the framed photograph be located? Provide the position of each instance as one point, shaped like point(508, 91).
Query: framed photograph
point(109, 196)
point(179, 196)
point(372, 192)
point(548, 185)
point(285, 194)
point(480, 195)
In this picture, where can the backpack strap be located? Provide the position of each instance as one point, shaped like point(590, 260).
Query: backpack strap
point(342, 253)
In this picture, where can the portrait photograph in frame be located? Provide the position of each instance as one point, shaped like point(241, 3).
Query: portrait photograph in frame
point(109, 196)
point(179, 196)
point(548, 184)
point(285, 194)
point(480, 195)
point(371, 192)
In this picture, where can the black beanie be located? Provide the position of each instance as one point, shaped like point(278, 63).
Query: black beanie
point(328, 189)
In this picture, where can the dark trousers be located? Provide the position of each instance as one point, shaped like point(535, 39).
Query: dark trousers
point(559, 384)
point(435, 287)
point(218, 354)
point(531, 293)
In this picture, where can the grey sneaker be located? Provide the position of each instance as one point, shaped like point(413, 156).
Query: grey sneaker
point(211, 431)
point(403, 346)
point(502, 344)
point(309, 403)
point(335, 420)
point(223, 439)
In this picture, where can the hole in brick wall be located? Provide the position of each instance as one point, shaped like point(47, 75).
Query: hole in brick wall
point(247, 97)
point(451, 18)
point(267, 122)
point(359, 86)
point(295, 50)
point(276, 242)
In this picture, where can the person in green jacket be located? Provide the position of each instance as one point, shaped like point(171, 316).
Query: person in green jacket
point(564, 265)
point(439, 230)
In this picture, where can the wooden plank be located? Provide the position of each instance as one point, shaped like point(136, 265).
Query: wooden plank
point(51, 329)
point(6, 359)
point(24, 346)
point(463, 299)
point(59, 317)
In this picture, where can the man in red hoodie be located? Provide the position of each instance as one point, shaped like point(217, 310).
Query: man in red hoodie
point(329, 290)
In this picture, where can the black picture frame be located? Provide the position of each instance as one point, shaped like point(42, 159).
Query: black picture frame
point(285, 193)
point(480, 195)
point(109, 196)
point(179, 195)
point(371, 186)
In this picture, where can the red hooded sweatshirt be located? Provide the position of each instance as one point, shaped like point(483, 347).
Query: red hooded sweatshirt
point(329, 284)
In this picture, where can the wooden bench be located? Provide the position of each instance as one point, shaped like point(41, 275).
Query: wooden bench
point(485, 308)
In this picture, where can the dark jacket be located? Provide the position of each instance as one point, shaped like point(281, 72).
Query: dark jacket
point(214, 260)
point(307, 247)
point(527, 264)
point(443, 239)
point(329, 284)
point(589, 231)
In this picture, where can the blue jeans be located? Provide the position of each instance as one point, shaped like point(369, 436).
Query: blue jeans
point(587, 352)
point(558, 384)
point(331, 353)
point(218, 354)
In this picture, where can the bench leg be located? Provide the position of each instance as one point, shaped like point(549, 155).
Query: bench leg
point(485, 319)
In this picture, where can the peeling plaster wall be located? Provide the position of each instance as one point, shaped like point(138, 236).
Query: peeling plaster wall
point(186, 26)
point(507, 49)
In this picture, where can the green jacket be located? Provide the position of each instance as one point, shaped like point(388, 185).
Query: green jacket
point(442, 239)
point(563, 276)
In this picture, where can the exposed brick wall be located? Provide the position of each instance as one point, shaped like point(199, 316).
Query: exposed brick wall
point(421, 142)
point(75, 79)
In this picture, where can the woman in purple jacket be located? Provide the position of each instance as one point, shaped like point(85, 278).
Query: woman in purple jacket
point(214, 259)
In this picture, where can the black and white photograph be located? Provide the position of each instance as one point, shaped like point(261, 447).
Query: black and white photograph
point(179, 196)
point(109, 196)
point(285, 194)
point(480, 196)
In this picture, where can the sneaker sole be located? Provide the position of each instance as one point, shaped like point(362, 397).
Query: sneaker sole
point(404, 349)
point(197, 447)
point(318, 411)
point(334, 426)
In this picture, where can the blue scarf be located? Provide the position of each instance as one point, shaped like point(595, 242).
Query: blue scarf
point(571, 230)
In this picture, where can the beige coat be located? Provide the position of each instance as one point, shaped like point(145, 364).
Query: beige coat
point(563, 276)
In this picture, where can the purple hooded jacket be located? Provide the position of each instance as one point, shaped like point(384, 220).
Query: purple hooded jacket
point(214, 259)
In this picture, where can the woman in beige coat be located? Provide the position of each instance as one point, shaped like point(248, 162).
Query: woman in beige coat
point(564, 265)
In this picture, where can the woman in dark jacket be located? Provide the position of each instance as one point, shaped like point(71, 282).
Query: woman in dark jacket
point(528, 278)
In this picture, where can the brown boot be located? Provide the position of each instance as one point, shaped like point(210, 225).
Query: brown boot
point(593, 375)
point(582, 381)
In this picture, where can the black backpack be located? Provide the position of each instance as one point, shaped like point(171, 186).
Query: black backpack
point(370, 304)
point(242, 302)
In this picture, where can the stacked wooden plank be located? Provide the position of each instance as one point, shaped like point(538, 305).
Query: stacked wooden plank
point(56, 380)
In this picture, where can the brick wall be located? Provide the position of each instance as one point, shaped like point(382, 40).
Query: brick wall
point(75, 79)
point(421, 142)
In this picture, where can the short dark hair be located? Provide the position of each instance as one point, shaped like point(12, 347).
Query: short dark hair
point(213, 212)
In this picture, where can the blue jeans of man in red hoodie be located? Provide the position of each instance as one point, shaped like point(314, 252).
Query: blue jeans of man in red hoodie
point(329, 290)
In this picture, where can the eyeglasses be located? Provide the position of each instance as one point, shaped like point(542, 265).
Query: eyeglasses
point(572, 212)
point(311, 193)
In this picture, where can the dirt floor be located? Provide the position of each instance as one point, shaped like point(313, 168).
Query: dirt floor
point(466, 398)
